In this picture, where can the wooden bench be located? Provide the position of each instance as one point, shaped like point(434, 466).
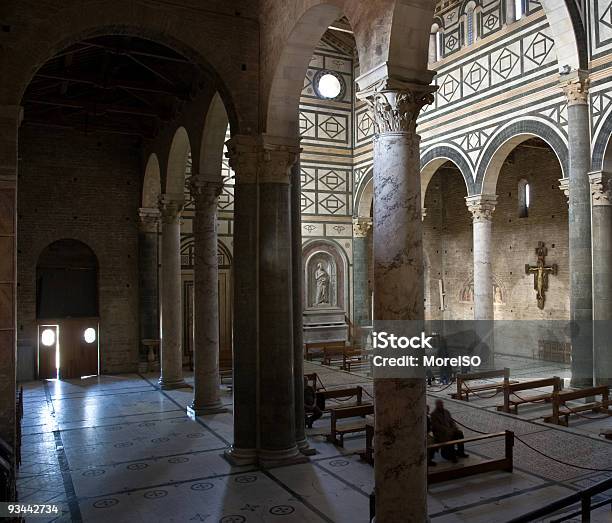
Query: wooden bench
point(464, 390)
point(561, 410)
point(510, 389)
point(354, 357)
point(334, 354)
point(312, 379)
point(317, 349)
point(455, 472)
point(338, 431)
point(345, 392)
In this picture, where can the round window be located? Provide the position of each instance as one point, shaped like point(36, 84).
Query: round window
point(329, 85)
point(89, 335)
point(47, 338)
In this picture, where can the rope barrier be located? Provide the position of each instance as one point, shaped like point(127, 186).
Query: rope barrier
point(580, 415)
point(471, 391)
point(443, 388)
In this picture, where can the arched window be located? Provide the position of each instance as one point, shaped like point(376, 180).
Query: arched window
point(470, 23)
point(524, 198)
point(435, 44)
point(439, 45)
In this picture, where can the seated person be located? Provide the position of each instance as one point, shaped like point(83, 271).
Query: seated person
point(310, 405)
point(430, 441)
point(445, 429)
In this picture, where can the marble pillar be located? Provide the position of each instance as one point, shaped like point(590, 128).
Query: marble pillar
point(580, 270)
point(482, 206)
point(362, 307)
point(170, 300)
point(206, 380)
point(400, 470)
point(277, 435)
point(10, 118)
point(601, 188)
point(243, 157)
point(296, 288)
point(148, 289)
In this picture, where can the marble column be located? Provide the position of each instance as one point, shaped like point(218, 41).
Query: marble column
point(400, 470)
point(482, 206)
point(243, 158)
point(10, 118)
point(361, 292)
point(601, 188)
point(148, 289)
point(580, 270)
point(206, 380)
point(277, 435)
point(171, 304)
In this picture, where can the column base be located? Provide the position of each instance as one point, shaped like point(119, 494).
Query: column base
point(165, 384)
point(240, 457)
point(280, 458)
point(304, 448)
point(215, 408)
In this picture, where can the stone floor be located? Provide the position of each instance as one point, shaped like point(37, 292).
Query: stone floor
point(115, 448)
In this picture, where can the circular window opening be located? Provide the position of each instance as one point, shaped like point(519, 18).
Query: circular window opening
point(329, 85)
point(47, 338)
point(89, 335)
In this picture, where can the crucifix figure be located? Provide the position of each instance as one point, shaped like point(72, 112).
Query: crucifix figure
point(540, 273)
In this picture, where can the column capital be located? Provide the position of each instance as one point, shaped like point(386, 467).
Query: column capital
point(576, 88)
point(278, 155)
point(149, 218)
point(601, 188)
point(395, 104)
point(170, 209)
point(481, 206)
point(361, 226)
point(242, 155)
point(564, 186)
point(204, 186)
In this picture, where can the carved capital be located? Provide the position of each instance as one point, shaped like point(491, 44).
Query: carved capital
point(204, 189)
point(276, 162)
point(149, 219)
point(170, 209)
point(576, 89)
point(242, 155)
point(481, 206)
point(601, 188)
point(564, 186)
point(395, 104)
point(361, 227)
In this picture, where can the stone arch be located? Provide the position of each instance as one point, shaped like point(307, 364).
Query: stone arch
point(151, 185)
point(288, 80)
point(365, 196)
point(177, 164)
point(568, 32)
point(213, 139)
point(602, 150)
point(507, 139)
point(432, 159)
point(72, 24)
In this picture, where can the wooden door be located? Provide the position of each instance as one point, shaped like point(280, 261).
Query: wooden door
point(79, 347)
point(48, 337)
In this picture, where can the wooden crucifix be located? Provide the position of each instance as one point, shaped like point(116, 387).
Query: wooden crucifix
point(540, 273)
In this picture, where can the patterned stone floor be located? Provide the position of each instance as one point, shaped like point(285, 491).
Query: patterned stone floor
point(115, 448)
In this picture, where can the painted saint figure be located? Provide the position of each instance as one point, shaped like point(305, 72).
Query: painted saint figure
point(322, 280)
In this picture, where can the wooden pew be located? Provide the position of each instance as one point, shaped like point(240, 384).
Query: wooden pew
point(335, 354)
point(446, 474)
point(338, 431)
point(464, 390)
point(513, 404)
point(353, 357)
point(339, 393)
point(561, 410)
point(317, 349)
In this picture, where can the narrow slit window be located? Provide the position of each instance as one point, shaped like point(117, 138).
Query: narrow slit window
point(524, 198)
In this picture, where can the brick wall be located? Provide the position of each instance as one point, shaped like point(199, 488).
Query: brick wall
point(85, 187)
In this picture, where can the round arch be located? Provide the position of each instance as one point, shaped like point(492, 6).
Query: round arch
point(602, 151)
point(507, 139)
point(213, 139)
point(432, 159)
point(365, 196)
point(177, 164)
point(151, 185)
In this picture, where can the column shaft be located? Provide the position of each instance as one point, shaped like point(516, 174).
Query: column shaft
point(171, 304)
point(206, 381)
point(276, 364)
point(361, 293)
point(581, 313)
